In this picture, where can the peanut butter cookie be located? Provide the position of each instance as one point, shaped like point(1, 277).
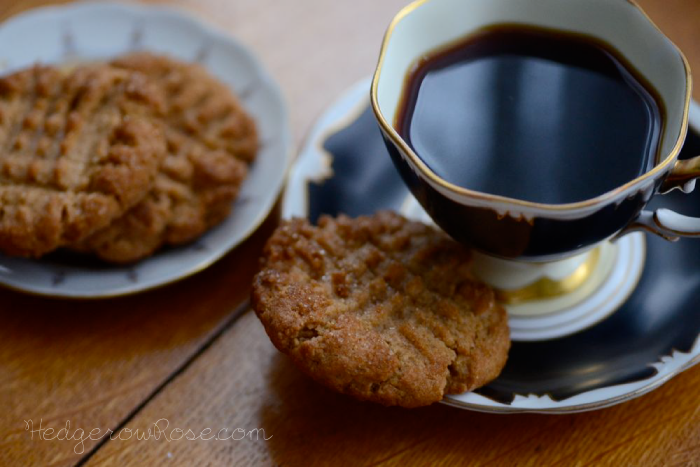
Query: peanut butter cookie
point(77, 150)
point(211, 140)
point(380, 308)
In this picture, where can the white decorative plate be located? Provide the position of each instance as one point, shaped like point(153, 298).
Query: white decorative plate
point(98, 31)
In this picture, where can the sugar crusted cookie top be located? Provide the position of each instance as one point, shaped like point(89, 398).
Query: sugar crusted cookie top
point(380, 308)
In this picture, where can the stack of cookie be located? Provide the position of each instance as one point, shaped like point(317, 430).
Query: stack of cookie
point(118, 159)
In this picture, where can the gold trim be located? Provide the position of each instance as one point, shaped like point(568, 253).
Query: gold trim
point(549, 288)
point(683, 172)
point(432, 176)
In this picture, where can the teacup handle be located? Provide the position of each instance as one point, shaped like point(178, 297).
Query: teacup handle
point(683, 176)
point(664, 222)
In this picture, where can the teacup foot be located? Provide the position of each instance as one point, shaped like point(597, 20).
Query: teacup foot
point(557, 299)
point(614, 277)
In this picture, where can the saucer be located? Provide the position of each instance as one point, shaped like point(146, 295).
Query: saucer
point(653, 336)
point(87, 32)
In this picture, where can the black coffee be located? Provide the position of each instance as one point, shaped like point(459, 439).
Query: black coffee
point(531, 114)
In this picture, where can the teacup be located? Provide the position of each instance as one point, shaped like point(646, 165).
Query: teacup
point(522, 230)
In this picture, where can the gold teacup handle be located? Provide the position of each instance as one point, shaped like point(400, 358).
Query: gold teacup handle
point(664, 222)
point(683, 176)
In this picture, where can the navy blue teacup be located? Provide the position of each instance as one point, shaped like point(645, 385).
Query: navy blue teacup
point(519, 229)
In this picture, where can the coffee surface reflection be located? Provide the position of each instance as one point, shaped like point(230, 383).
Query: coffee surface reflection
point(531, 114)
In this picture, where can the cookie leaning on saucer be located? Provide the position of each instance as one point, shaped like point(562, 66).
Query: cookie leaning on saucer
point(380, 308)
point(77, 149)
point(211, 141)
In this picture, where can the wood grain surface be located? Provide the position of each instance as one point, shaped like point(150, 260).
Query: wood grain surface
point(92, 363)
point(242, 382)
point(179, 355)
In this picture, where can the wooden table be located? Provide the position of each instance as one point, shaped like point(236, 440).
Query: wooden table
point(192, 356)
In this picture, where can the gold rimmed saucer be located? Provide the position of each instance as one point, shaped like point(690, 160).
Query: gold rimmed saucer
point(653, 335)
